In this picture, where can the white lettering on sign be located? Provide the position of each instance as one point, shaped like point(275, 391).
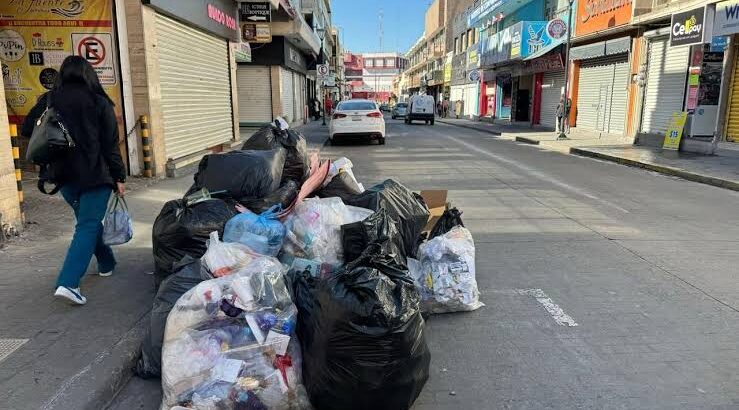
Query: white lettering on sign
point(597, 7)
point(687, 28)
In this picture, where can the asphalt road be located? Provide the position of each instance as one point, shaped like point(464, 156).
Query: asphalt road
point(605, 286)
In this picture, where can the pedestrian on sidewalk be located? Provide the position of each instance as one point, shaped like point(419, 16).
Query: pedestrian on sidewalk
point(445, 108)
point(329, 106)
point(458, 108)
point(87, 174)
point(563, 114)
point(439, 111)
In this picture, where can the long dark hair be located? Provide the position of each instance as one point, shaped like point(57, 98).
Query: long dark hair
point(77, 70)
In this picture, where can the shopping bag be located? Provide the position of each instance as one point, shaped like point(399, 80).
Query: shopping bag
point(118, 225)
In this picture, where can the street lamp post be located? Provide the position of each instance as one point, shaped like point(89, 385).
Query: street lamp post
point(566, 108)
point(322, 33)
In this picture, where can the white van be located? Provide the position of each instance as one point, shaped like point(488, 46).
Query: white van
point(421, 107)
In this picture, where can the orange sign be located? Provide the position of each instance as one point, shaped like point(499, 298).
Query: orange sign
point(597, 15)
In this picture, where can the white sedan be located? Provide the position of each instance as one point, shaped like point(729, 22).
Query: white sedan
point(357, 118)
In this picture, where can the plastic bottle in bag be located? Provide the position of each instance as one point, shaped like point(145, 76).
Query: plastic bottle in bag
point(222, 258)
point(261, 233)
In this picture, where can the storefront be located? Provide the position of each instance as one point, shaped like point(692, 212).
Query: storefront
point(458, 84)
point(273, 84)
point(665, 81)
point(725, 27)
point(194, 73)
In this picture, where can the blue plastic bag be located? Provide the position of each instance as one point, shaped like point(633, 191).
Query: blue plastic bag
point(262, 233)
point(117, 225)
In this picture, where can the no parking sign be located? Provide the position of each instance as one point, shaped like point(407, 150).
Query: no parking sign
point(97, 49)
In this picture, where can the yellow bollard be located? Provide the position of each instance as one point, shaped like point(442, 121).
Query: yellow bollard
point(17, 164)
point(146, 145)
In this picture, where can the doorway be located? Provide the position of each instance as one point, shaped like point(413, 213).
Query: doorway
point(522, 105)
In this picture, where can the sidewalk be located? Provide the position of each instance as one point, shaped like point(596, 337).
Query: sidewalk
point(55, 356)
point(720, 170)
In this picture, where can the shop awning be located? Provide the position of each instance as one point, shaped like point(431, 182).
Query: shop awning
point(601, 48)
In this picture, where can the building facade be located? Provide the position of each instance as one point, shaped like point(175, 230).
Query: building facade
point(371, 75)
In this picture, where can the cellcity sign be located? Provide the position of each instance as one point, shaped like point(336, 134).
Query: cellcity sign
point(687, 27)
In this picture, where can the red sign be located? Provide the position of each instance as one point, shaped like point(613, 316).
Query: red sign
point(92, 49)
point(217, 15)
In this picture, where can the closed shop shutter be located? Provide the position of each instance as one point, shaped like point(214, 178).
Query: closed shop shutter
point(471, 92)
point(665, 87)
point(602, 94)
point(732, 117)
point(552, 87)
point(299, 96)
point(195, 88)
point(255, 93)
point(286, 94)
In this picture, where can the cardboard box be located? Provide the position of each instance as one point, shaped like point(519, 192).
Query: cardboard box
point(436, 201)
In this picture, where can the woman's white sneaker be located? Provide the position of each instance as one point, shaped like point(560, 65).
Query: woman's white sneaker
point(105, 274)
point(71, 295)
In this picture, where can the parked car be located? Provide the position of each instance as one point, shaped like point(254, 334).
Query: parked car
point(384, 107)
point(421, 108)
point(357, 118)
point(400, 110)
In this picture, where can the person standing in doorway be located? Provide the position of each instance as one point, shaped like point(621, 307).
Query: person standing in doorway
point(89, 173)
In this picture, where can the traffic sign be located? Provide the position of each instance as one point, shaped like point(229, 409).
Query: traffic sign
point(322, 70)
point(256, 12)
point(97, 48)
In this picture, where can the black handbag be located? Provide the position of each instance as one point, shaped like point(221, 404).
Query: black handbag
point(50, 139)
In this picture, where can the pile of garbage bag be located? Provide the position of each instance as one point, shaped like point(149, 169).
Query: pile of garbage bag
point(284, 284)
point(228, 344)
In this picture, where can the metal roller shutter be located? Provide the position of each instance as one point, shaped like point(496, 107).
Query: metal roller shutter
point(195, 88)
point(552, 87)
point(255, 93)
point(602, 94)
point(665, 86)
point(286, 94)
point(299, 99)
point(732, 118)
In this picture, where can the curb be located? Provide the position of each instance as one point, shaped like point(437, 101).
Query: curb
point(526, 140)
point(687, 175)
point(97, 384)
point(469, 127)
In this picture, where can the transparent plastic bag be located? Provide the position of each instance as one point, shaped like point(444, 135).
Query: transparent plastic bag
point(229, 344)
point(314, 229)
point(261, 233)
point(447, 273)
point(117, 225)
point(222, 258)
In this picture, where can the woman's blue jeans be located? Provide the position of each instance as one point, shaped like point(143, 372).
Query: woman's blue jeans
point(89, 209)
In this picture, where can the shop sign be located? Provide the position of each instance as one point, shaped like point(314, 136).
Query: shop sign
point(516, 40)
point(597, 15)
point(687, 27)
point(473, 59)
point(459, 72)
point(218, 17)
point(36, 36)
point(256, 32)
point(448, 72)
point(473, 76)
point(256, 12)
point(548, 62)
point(719, 43)
point(481, 11)
point(497, 48)
point(557, 29)
point(242, 52)
point(674, 132)
point(727, 18)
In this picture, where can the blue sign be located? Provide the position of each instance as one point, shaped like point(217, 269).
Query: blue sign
point(719, 43)
point(483, 10)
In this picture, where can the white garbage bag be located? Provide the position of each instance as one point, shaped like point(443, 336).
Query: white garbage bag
point(445, 273)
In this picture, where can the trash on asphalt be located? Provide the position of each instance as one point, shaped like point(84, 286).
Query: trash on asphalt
point(445, 273)
point(362, 335)
point(261, 233)
point(188, 273)
point(279, 135)
point(406, 208)
point(235, 338)
point(314, 229)
point(223, 258)
point(230, 344)
point(182, 230)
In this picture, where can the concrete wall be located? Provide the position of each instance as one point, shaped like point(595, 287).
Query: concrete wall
point(453, 9)
point(434, 16)
point(10, 213)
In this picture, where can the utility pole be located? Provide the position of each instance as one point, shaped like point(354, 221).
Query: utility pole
point(566, 108)
point(382, 32)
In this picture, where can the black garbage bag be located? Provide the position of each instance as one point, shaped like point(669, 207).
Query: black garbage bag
point(285, 195)
point(244, 175)
point(342, 186)
point(180, 230)
point(362, 335)
point(377, 228)
point(297, 163)
point(188, 274)
point(403, 206)
point(448, 220)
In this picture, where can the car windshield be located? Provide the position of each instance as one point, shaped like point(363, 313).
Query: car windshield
point(357, 106)
point(402, 105)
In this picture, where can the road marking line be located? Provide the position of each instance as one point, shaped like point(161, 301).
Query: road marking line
point(559, 315)
point(535, 173)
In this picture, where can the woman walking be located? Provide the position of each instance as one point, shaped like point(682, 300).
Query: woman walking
point(87, 174)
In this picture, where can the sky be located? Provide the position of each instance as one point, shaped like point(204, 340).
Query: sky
point(359, 22)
